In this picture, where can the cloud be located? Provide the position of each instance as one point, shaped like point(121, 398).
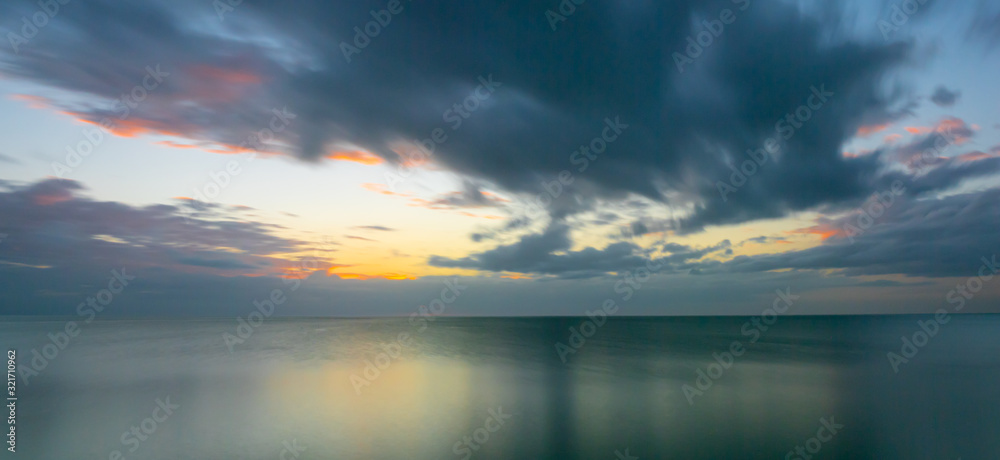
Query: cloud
point(685, 129)
point(378, 228)
point(943, 97)
point(679, 131)
point(9, 159)
point(356, 156)
point(537, 254)
point(548, 253)
point(360, 238)
point(49, 223)
point(926, 237)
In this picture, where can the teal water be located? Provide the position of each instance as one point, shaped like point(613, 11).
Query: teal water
point(298, 389)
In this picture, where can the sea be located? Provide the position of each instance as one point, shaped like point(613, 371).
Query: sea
point(608, 388)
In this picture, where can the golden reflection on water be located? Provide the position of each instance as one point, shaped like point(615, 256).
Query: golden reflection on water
point(406, 408)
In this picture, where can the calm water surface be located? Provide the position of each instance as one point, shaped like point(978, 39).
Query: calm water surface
point(298, 388)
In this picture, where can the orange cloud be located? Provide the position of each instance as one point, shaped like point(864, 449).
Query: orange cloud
point(488, 216)
point(34, 102)
point(892, 138)
point(356, 156)
point(872, 129)
point(918, 129)
point(495, 197)
point(228, 149)
point(381, 189)
point(176, 145)
point(384, 276)
point(825, 231)
point(135, 126)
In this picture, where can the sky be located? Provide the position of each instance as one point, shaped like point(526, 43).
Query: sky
point(518, 158)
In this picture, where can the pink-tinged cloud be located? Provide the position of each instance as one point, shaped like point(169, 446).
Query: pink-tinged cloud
point(223, 75)
point(865, 131)
point(976, 156)
point(33, 101)
point(892, 138)
point(948, 125)
point(218, 84)
point(49, 200)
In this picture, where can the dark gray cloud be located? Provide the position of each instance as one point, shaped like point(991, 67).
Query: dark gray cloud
point(943, 97)
point(932, 237)
point(557, 89)
point(548, 253)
